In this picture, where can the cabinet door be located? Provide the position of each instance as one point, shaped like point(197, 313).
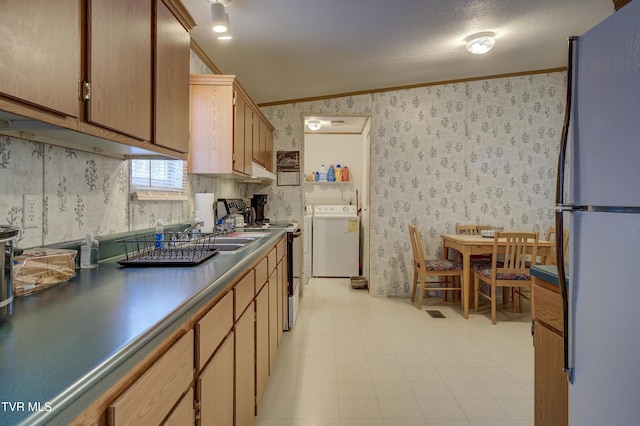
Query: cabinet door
point(269, 152)
point(245, 407)
point(119, 66)
point(262, 344)
point(151, 397)
point(40, 53)
point(172, 81)
point(212, 329)
point(215, 387)
point(257, 149)
point(248, 136)
point(211, 126)
point(183, 413)
point(263, 143)
point(283, 299)
point(550, 382)
point(238, 134)
point(273, 318)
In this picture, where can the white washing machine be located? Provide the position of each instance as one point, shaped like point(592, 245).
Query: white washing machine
point(336, 241)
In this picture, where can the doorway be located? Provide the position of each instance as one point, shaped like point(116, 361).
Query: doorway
point(344, 140)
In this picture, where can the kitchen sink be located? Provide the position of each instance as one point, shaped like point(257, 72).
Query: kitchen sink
point(230, 244)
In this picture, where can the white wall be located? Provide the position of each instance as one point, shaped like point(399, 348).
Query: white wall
point(335, 149)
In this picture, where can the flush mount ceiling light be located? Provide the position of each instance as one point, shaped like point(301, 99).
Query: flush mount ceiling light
point(218, 15)
point(314, 125)
point(480, 43)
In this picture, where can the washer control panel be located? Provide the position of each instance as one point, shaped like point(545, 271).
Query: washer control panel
point(329, 209)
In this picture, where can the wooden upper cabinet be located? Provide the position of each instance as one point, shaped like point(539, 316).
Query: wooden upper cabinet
point(269, 151)
point(172, 81)
point(119, 65)
point(242, 133)
point(211, 149)
point(225, 127)
point(40, 53)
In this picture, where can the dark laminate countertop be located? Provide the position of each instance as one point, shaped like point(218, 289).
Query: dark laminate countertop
point(549, 273)
point(65, 346)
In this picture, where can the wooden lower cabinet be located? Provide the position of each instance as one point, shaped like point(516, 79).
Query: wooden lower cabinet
point(215, 387)
point(550, 382)
point(150, 399)
point(262, 344)
point(214, 369)
point(183, 413)
point(245, 406)
point(273, 319)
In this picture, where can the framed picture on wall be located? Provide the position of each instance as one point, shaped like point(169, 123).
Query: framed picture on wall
point(288, 167)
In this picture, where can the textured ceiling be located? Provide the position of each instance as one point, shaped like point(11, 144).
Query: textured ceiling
point(295, 49)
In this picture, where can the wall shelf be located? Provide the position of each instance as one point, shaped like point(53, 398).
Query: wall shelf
point(324, 182)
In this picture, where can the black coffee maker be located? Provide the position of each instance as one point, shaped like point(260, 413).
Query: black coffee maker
point(258, 202)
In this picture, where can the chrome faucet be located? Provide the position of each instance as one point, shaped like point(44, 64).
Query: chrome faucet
point(193, 226)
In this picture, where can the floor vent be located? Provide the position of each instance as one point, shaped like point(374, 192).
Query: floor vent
point(435, 314)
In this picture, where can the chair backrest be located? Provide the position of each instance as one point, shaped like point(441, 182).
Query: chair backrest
point(551, 236)
point(416, 245)
point(520, 247)
point(470, 229)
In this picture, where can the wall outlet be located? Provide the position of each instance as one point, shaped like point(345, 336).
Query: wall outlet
point(30, 217)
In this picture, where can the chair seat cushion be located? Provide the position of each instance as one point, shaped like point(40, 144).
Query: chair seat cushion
point(478, 265)
point(486, 272)
point(442, 265)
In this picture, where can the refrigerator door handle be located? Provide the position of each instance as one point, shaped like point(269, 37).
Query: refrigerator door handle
point(561, 207)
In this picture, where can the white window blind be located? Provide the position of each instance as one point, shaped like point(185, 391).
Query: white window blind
point(160, 175)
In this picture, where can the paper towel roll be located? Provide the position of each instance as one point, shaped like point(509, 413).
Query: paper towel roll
point(205, 207)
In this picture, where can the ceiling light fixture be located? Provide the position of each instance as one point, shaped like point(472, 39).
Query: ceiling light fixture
point(314, 125)
point(218, 14)
point(480, 43)
point(227, 34)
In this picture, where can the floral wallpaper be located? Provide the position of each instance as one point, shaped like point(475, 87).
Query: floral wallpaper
point(482, 151)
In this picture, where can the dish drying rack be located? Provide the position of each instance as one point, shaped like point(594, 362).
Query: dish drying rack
point(174, 249)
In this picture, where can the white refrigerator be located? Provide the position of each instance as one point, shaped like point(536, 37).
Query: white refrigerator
point(602, 211)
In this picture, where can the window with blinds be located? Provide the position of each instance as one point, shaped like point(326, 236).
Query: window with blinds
point(157, 175)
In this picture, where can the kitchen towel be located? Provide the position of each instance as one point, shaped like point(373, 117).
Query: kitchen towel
point(205, 203)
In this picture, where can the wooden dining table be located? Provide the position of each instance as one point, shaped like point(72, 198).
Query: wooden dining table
point(468, 245)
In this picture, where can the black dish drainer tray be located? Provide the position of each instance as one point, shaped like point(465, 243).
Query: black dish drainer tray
point(173, 250)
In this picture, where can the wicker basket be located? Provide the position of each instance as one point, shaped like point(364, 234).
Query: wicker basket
point(40, 268)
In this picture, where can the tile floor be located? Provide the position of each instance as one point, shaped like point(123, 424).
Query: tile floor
point(353, 359)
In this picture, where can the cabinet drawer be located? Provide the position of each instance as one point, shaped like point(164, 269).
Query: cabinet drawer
point(281, 249)
point(261, 274)
point(272, 257)
point(244, 292)
point(151, 397)
point(212, 329)
point(547, 307)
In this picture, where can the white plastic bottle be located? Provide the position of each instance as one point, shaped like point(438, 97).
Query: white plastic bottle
point(323, 173)
point(159, 234)
point(89, 252)
point(197, 231)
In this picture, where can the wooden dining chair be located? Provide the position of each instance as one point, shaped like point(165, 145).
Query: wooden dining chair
point(423, 269)
point(551, 236)
point(512, 272)
point(470, 229)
